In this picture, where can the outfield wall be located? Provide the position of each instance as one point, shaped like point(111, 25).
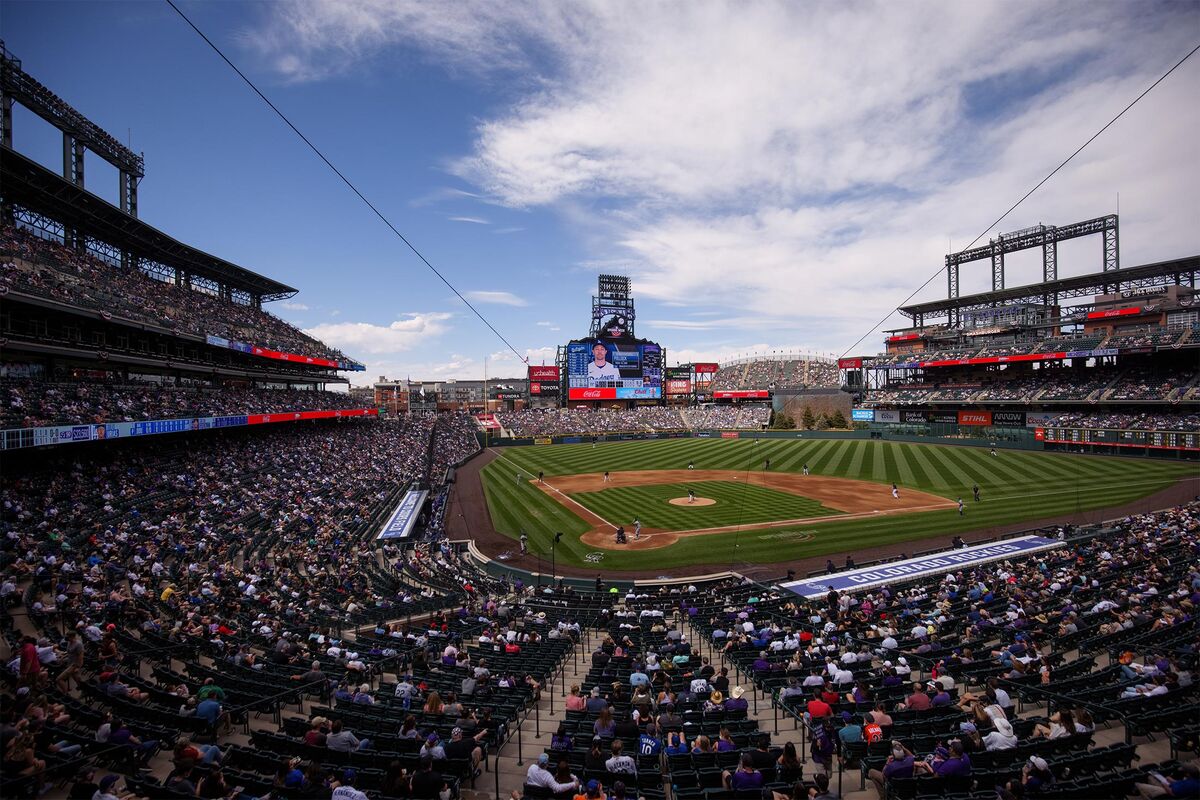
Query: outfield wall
point(1024, 441)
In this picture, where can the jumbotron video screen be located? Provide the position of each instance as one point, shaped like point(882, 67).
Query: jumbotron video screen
point(600, 369)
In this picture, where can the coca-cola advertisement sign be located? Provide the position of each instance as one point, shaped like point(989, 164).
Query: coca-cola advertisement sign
point(592, 394)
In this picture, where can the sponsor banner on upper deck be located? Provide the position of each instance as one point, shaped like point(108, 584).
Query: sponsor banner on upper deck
point(862, 414)
point(915, 568)
point(104, 431)
point(887, 415)
point(279, 355)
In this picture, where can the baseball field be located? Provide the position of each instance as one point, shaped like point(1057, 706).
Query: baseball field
point(717, 502)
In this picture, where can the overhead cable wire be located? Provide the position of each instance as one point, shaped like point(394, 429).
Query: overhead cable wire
point(1024, 197)
point(345, 180)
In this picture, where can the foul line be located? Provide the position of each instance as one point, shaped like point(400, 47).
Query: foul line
point(568, 498)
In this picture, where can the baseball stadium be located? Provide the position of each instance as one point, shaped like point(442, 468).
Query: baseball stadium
point(956, 558)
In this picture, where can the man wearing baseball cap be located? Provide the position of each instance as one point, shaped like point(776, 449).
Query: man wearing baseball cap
point(461, 747)
point(345, 788)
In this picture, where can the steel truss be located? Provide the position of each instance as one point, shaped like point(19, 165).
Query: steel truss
point(79, 132)
point(1046, 237)
point(1181, 271)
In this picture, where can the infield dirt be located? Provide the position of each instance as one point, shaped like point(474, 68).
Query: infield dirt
point(855, 499)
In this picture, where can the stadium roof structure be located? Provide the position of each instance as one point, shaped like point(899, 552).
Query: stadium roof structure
point(27, 184)
point(1178, 270)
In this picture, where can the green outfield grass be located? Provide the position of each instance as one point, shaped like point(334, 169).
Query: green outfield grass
point(737, 504)
point(1015, 485)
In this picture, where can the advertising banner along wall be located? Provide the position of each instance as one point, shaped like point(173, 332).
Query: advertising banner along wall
point(404, 517)
point(915, 568)
point(104, 431)
point(752, 394)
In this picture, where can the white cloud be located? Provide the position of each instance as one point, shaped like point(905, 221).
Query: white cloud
point(727, 352)
point(365, 338)
point(472, 220)
point(505, 231)
point(799, 166)
point(500, 364)
point(293, 306)
point(497, 298)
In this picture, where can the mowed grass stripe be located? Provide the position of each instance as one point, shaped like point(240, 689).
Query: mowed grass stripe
point(1017, 485)
point(837, 466)
point(976, 465)
point(792, 459)
point(855, 469)
point(906, 473)
point(945, 470)
point(927, 471)
point(972, 466)
point(736, 503)
point(878, 464)
point(821, 458)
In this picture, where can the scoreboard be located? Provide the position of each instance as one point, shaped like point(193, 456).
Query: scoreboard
point(1158, 440)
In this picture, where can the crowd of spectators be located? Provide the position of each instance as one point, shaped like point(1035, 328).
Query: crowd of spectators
point(892, 665)
point(29, 404)
point(251, 550)
point(740, 417)
point(1067, 344)
point(1105, 383)
point(1147, 337)
point(569, 421)
point(578, 421)
point(242, 556)
point(34, 265)
point(771, 373)
point(1150, 384)
point(454, 440)
point(1156, 336)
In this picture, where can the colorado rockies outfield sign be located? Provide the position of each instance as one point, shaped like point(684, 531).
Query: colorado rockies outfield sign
point(912, 568)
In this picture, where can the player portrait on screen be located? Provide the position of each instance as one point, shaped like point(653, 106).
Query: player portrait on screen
point(601, 369)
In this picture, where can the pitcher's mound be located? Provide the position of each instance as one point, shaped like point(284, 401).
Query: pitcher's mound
point(699, 501)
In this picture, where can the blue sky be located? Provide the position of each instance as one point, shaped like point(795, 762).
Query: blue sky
point(770, 176)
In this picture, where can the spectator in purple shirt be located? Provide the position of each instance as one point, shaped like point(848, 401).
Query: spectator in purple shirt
point(947, 763)
point(744, 777)
point(900, 764)
point(736, 702)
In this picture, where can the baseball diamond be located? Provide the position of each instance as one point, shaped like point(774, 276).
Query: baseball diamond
point(845, 501)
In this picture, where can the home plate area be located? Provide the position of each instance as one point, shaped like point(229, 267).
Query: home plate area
point(829, 499)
